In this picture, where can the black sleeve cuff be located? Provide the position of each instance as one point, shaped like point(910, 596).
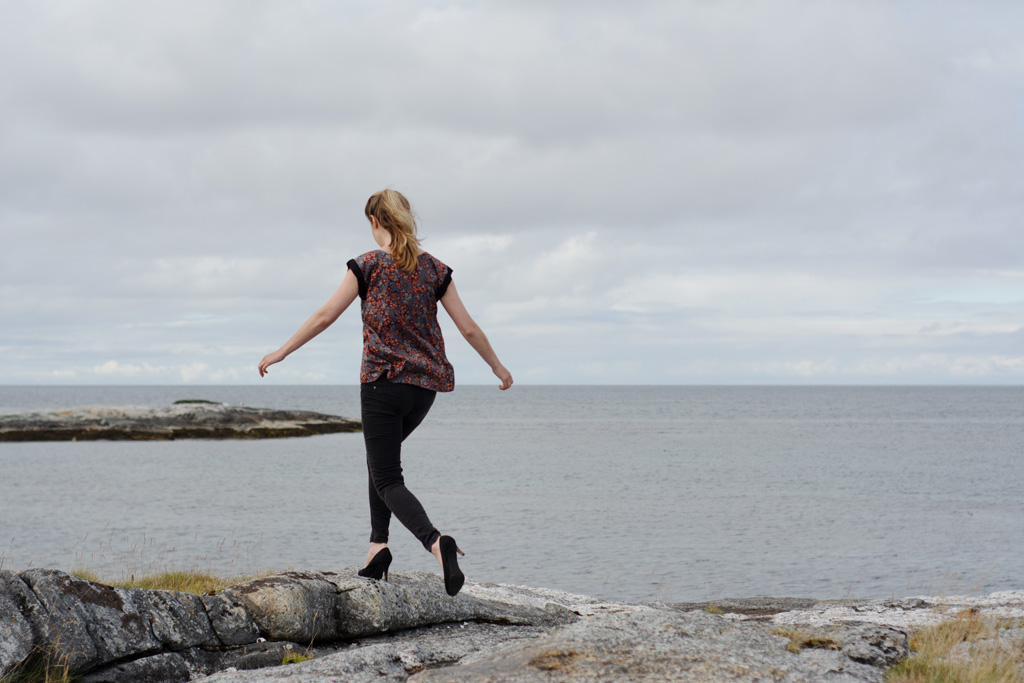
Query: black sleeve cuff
point(444, 284)
point(358, 272)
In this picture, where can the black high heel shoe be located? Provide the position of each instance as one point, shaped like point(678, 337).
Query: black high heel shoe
point(453, 576)
point(378, 567)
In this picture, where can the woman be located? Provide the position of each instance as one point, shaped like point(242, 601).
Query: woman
point(404, 365)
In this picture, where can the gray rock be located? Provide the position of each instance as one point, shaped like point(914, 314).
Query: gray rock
point(369, 664)
point(17, 636)
point(408, 628)
point(617, 642)
point(296, 606)
point(749, 606)
point(181, 421)
point(913, 612)
point(390, 657)
point(881, 646)
point(316, 606)
point(246, 657)
point(161, 668)
point(69, 604)
point(172, 667)
point(657, 645)
point(90, 624)
point(178, 620)
point(120, 634)
point(230, 620)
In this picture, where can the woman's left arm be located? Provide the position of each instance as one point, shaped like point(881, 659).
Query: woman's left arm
point(317, 323)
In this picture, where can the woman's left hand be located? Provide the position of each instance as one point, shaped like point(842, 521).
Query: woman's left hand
point(270, 359)
point(502, 373)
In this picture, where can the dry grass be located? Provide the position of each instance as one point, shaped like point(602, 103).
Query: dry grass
point(186, 581)
point(143, 563)
point(934, 660)
point(145, 556)
point(40, 668)
point(800, 640)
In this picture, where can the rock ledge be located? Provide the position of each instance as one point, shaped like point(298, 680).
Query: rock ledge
point(191, 419)
point(407, 629)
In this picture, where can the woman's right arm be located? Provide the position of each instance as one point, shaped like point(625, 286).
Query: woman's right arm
point(321, 319)
point(473, 334)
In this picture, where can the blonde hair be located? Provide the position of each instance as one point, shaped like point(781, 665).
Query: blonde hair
point(394, 214)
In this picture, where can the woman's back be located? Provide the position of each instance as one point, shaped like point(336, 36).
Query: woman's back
point(401, 336)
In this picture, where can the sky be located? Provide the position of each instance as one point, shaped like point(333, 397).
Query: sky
point(651, 192)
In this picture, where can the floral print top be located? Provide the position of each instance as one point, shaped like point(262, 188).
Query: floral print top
point(401, 336)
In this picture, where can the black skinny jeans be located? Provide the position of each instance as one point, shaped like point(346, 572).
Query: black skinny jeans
point(390, 412)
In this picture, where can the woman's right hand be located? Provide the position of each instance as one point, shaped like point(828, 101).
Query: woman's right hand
point(502, 373)
point(321, 319)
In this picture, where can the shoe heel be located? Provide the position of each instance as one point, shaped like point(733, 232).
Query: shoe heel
point(453, 576)
point(378, 566)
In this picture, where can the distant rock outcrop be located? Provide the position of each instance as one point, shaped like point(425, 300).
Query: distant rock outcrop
point(187, 419)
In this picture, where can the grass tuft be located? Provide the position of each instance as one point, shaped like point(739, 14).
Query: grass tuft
point(40, 668)
point(934, 661)
point(801, 640)
point(989, 670)
point(185, 581)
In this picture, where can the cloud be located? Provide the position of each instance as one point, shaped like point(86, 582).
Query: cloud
point(113, 367)
point(646, 192)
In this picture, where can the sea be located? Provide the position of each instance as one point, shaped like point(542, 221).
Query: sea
point(632, 493)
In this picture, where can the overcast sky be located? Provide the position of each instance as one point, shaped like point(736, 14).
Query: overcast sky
point(677, 192)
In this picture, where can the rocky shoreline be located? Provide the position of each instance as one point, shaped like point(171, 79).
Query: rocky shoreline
point(186, 419)
point(407, 629)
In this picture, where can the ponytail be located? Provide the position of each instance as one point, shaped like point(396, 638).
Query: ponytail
point(394, 214)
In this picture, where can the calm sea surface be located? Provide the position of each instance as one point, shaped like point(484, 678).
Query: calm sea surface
point(633, 493)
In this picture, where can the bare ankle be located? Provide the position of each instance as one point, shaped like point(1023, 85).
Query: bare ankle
point(374, 549)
